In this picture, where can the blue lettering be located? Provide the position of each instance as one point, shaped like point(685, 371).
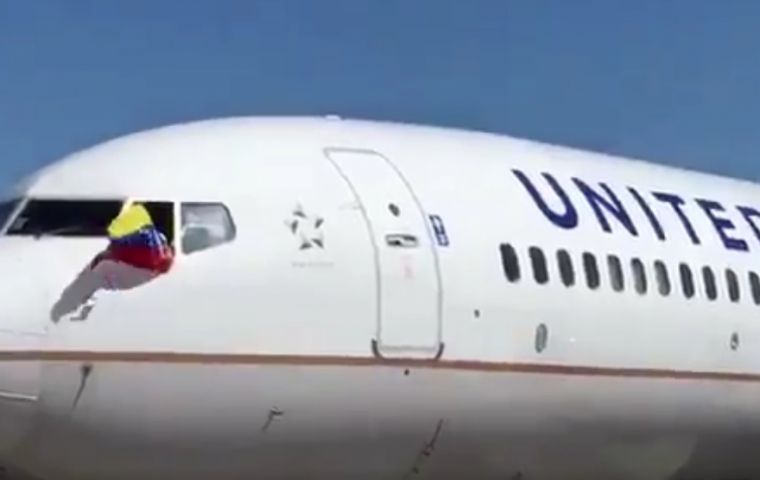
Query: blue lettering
point(722, 225)
point(749, 213)
point(612, 205)
point(567, 220)
point(656, 225)
point(677, 202)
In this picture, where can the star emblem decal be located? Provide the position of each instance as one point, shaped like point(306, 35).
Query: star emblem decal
point(308, 229)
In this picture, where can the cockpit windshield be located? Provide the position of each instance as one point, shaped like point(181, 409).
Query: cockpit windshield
point(81, 218)
point(7, 207)
point(204, 225)
point(70, 218)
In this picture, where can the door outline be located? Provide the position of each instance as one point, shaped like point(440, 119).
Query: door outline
point(434, 352)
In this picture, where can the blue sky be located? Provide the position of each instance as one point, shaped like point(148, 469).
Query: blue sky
point(674, 82)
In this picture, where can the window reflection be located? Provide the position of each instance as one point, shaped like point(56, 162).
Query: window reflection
point(205, 226)
point(7, 208)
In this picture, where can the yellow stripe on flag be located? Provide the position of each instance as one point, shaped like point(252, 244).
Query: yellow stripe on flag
point(129, 221)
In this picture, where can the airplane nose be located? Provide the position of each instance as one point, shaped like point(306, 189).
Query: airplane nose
point(33, 275)
point(19, 393)
point(23, 330)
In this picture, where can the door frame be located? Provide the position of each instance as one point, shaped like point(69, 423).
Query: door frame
point(433, 352)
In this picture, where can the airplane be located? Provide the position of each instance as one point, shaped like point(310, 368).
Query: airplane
point(356, 299)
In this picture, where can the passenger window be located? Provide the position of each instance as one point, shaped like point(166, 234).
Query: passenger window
point(510, 262)
point(205, 226)
point(754, 282)
point(687, 280)
point(67, 218)
point(616, 273)
point(663, 279)
point(711, 289)
point(639, 276)
point(566, 268)
point(592, 270)
point(540, 272)
point(733, 285)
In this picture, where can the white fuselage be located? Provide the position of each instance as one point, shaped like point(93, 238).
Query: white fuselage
point(379, 310)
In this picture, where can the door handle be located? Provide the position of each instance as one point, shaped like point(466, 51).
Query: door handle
point(401, 240)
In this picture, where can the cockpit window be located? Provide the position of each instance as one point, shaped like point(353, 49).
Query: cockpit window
point(162, 214)
point(205, 225)
point(7, 208)
point(69, 218)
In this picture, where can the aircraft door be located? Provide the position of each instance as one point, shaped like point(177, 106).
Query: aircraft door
point(408, 277)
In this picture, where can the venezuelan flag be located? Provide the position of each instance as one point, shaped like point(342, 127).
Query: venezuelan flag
point(134, 240)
